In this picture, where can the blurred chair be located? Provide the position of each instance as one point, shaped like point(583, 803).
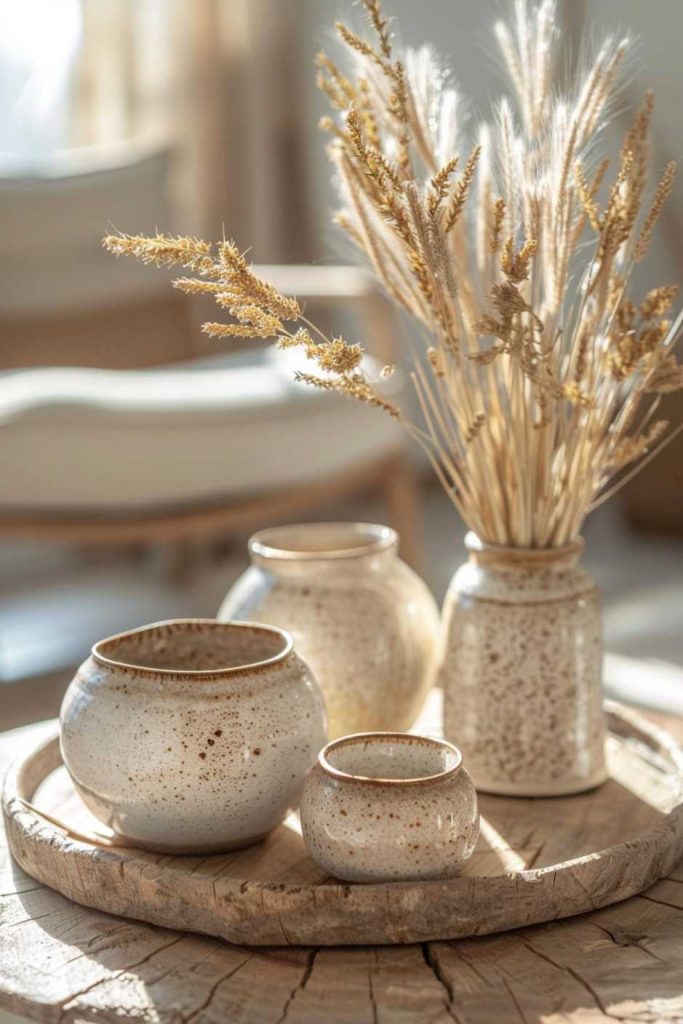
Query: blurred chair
point(63, 299)
point(203, 448)
point(121, 453)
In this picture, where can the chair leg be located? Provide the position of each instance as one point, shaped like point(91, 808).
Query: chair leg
point(399, 485)
point(177, 561)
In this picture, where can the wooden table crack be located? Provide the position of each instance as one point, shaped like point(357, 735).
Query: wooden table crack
point(433, 963)
point(66, 1004)
point(213, 990)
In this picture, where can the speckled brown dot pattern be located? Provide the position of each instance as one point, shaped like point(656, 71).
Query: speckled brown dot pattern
point(192, 736)
point(521, 672)
point(365, 623)
point(389, 807)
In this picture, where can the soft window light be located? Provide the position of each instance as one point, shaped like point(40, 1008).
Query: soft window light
point(39, 41)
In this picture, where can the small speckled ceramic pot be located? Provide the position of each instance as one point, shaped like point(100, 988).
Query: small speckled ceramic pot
point(193, 735)
point(366, 623)
point(389, 807)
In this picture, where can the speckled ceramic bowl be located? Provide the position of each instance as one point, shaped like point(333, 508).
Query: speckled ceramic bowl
point(192, 735)
point(389, 807)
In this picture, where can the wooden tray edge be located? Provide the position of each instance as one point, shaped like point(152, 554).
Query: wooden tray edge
point(257, 913)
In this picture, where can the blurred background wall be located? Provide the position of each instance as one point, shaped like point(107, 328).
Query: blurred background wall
point(228, 87)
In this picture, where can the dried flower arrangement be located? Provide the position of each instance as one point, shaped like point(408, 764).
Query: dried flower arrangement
point(539, 377)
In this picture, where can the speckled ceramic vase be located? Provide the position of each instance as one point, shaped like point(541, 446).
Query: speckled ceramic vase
point(192, 736)
point(365, 623)
point(521, 669)
point(389, 807)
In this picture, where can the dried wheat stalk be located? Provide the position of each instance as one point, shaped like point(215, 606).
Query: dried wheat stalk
point(539, 377)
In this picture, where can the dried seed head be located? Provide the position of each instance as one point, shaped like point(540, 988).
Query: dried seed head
point(475, 426)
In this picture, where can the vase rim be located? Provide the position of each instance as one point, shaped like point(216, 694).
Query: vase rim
point(312, 542)
point(540, 556)
point(452, 752)
point(104, 651)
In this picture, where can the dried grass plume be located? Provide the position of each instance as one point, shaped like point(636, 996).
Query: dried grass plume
point(537, 374)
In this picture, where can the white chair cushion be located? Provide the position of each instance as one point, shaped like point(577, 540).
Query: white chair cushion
point(75, 440)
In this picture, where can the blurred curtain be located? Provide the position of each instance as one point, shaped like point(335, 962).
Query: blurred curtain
point(224, 81)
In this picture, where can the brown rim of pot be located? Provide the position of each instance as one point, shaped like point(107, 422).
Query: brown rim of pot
point(400, 737)
point(483, 552)
point(199, 674)
point(276, 542)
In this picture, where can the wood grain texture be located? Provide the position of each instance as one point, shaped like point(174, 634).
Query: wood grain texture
point(60, 962)
point(537, 860)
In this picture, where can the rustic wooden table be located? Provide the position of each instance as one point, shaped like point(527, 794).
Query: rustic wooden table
point(61, 962)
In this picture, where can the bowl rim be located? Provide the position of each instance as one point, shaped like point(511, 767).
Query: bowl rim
point(400, 737)
point(370, 538)
point(198, 674)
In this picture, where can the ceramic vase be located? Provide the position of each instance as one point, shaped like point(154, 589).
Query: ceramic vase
point(192, 736)
point(521, 668)
point(366, 623)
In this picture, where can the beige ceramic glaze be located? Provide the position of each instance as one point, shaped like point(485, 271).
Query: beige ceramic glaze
point(192, 735)
point(521, 671)
point(364, 621)
point(389, 807)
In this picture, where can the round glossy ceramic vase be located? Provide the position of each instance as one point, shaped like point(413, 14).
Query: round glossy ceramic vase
point(365, 623)
point(521, 669)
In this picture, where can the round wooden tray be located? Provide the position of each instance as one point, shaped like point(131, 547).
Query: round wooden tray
point(537, 860)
